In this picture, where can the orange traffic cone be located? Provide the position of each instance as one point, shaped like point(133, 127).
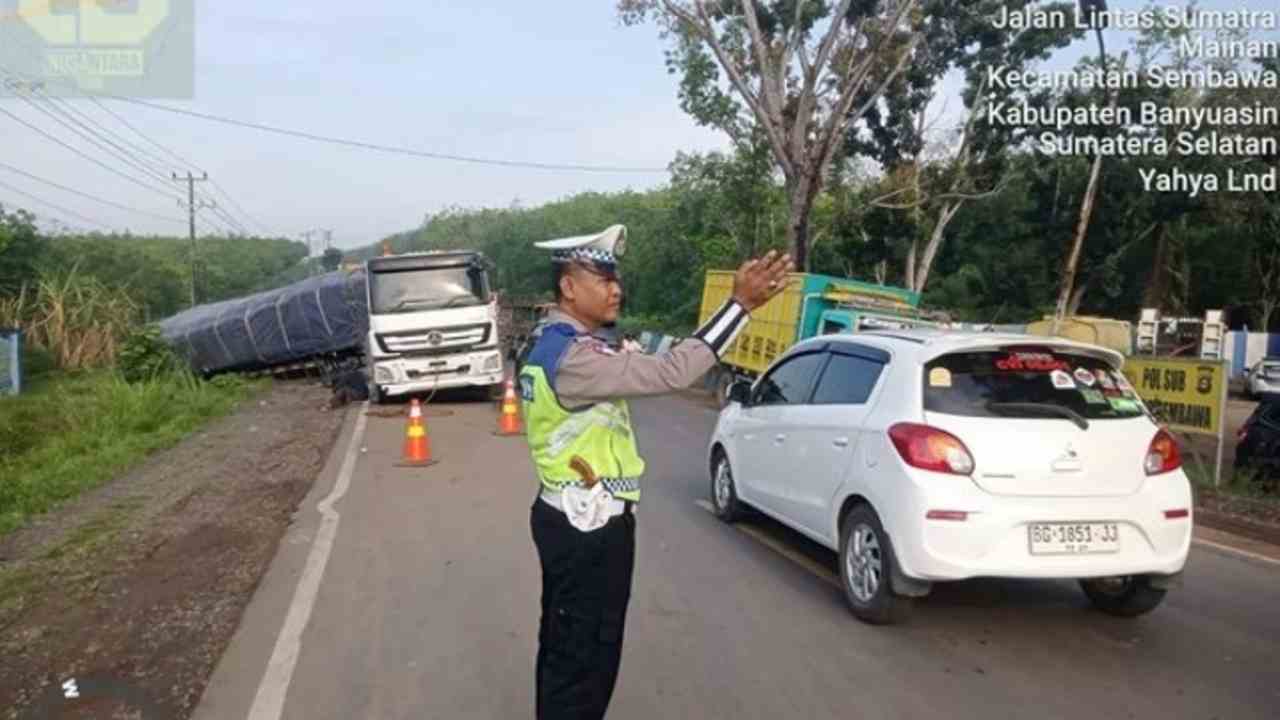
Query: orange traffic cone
point(417, 446)
point(509, 420)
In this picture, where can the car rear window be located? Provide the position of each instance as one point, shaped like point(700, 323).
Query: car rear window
point(1005, 383)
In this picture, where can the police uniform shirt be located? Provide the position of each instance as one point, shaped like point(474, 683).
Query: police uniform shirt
point(591, 371)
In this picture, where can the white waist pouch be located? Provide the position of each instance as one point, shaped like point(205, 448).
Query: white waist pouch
point(589, 510)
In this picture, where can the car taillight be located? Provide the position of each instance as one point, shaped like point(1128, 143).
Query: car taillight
point(929, 448)
point(1163, 454)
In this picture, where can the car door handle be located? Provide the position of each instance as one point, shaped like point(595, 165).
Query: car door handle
point(779, 438)
point(841, 442)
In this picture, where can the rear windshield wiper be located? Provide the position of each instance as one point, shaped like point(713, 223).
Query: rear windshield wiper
point(1042, 409)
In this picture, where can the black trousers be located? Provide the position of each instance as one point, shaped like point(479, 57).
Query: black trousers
point(586, 585)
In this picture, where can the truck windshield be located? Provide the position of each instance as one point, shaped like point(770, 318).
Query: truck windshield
point(434, 289)
point(1028, 383)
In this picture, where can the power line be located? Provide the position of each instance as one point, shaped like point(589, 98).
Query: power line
point(381, 148)
point(227, 220)
point(50, 183)
point(77, 151)
point(236, 205)
point(46, 203)
point(112, 151)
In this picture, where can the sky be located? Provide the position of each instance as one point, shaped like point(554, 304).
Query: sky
point(558, 82)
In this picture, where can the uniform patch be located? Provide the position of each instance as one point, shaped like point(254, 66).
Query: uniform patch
point(596, 344)
point(526, 388)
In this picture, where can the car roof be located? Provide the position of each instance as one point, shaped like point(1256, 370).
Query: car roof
point(927, 343)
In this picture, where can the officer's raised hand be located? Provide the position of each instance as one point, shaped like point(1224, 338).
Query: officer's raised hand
point(759, 280)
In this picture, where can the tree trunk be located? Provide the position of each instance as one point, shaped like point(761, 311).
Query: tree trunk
point(800, 197)
point(945, 215)
point(1073, 257)
point(1157, 285)
point(1077, 296)
point(910, 277)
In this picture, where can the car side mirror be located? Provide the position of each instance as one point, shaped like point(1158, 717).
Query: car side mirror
point(740, 392)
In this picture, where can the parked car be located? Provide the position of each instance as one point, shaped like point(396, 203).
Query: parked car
point(1263, 378)
point(923, 456)
point(1258, 442)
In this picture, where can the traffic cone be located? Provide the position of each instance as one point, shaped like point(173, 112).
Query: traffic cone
point(417, 446)
point(509, 420)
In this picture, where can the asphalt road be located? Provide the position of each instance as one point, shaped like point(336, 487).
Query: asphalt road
point(427, 608)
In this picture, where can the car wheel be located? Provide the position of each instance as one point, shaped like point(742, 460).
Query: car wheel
point(724, 494)
point(1123, 596)
point(866, 568)
point(376, 397)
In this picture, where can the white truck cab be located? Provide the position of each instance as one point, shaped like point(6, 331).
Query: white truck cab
point(433, 324)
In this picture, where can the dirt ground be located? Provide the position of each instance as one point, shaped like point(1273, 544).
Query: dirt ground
point(120, 603)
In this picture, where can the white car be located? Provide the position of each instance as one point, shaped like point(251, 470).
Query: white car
point(1263, 378)
point(923, 456)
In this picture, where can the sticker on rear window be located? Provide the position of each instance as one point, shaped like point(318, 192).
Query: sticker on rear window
point(1124, 404)
point(1094, 397)
point(1104, 379)
point(1085, 378)
point(940, 377)
point(1032, 362)
point(1062, 380)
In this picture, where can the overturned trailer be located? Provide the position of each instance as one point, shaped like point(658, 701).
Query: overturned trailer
point(321, 319)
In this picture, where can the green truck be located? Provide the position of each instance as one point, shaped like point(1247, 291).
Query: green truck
point(810, 305)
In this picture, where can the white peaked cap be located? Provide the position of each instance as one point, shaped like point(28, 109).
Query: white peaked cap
point(605, 247)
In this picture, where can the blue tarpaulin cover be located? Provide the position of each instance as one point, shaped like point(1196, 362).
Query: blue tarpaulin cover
point(318, 316)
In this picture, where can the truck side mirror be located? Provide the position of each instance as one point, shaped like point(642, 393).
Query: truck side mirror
point(740, 392)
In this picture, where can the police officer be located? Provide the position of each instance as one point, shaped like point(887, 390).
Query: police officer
point(574, 386)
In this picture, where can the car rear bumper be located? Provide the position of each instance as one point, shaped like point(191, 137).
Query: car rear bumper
point(994, 538)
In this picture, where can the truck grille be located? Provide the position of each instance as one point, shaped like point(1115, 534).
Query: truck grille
point(439, 341)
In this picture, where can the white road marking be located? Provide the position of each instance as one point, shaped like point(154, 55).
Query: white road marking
point(823, 573)
point(268, 703)
point(1236, 551)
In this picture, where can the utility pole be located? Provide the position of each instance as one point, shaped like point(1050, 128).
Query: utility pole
point(192, 206)
point(313, 257)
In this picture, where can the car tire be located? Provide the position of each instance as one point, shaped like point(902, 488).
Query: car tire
point(867, 565)
point(376, 396)
point(1127, 596)
point(724, 492)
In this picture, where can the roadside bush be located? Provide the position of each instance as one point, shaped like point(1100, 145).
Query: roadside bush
point(143, 355)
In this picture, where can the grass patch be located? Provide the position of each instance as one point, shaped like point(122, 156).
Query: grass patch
point(1240, 482)
point(73, 432)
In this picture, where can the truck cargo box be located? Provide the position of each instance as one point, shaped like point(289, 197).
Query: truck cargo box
point(810, 305)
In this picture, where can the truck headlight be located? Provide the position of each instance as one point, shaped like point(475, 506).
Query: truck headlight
point(494, 363)
point(382, 374)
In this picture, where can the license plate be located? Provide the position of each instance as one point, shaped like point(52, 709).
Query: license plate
point(1073, 538)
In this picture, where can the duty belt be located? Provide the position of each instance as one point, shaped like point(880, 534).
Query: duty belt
point(555, 498)
point(615, 486)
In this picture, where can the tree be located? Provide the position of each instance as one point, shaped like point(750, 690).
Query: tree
point(332, 259)
point(799, 71)
point(20, 250)
point(934, 177)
